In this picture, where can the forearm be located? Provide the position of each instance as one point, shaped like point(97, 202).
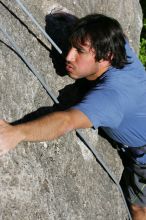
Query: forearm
point(45, 128)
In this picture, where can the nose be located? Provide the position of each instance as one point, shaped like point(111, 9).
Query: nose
point(71, 56)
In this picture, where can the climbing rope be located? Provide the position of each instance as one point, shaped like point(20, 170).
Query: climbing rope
point(41, 29)
point(47, 88)
point(31, 67)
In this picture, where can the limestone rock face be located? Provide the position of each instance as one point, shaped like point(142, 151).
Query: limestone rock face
point(57, 180)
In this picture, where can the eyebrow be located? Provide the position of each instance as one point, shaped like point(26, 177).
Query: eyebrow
point(80, 48)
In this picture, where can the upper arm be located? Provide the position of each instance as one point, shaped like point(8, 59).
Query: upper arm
point(102, 107)
point(78, 119)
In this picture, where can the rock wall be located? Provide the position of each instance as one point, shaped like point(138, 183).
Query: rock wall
point(57, 180)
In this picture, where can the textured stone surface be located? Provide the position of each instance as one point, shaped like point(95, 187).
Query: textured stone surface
point(57, 180)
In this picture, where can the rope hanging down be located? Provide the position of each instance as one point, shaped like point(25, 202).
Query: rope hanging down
point(31, 67)
point(47, 88)
point(41, 29)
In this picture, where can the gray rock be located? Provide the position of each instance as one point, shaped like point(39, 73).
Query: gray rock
point(60, 179)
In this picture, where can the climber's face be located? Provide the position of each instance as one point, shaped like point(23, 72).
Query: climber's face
point(81, 63)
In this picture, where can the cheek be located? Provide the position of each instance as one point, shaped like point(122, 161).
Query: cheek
point(88, 66)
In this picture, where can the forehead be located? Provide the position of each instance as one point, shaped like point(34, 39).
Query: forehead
point(77, 40)
point(85, 48)
point(84, 45)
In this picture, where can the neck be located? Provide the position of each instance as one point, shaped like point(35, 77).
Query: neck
point(99, 73)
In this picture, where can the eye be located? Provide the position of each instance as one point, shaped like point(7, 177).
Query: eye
point(80, 50)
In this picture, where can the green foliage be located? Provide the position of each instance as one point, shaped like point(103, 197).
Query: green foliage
point(142, 53)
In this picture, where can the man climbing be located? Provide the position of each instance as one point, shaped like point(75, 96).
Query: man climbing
point(117, 103)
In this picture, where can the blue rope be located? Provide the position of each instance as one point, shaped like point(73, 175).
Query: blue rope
point(31, 67)
point(41, 29)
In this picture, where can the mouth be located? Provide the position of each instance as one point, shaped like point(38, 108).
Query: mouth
point(69, 67)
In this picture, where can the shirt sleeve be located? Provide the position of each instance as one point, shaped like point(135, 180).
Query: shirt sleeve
point(103, 107)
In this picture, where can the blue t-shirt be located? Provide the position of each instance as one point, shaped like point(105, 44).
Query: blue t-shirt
point(118, 102)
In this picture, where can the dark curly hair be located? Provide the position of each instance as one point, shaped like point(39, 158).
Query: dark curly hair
point(106, 37)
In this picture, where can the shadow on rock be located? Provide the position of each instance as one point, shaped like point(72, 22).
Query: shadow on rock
point(59, 27)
